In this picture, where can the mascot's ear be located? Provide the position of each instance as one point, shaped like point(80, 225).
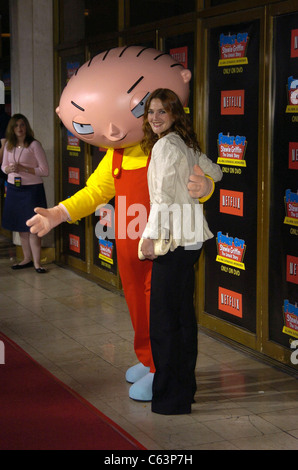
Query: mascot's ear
point(186, 75)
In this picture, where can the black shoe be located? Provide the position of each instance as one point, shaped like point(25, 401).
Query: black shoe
point(22, 266)
point(40, 270)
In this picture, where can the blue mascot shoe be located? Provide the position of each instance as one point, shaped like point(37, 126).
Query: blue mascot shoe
point(142, 389)
point(137, 372)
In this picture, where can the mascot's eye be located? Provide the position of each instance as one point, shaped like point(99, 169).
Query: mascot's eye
point(138, 110)
point(83, 128)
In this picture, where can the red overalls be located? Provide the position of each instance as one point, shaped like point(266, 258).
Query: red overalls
point(132, 187)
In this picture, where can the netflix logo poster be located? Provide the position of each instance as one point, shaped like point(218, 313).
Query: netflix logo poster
point(231, 256)
point(73, 169)
point(283, 245)
point(293, 155)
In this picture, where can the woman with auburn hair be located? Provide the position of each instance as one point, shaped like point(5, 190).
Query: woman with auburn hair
point(177, 217)
point(25, 163)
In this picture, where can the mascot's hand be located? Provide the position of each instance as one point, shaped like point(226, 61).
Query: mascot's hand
point(199, 186)
point(46, 219)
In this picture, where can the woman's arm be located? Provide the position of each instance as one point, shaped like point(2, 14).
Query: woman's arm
point(209, 168)
point(42, 168)
point(201, 181)
point(2, 150)
point(6, 166)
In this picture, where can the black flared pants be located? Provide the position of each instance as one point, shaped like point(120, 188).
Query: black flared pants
point(173, 331)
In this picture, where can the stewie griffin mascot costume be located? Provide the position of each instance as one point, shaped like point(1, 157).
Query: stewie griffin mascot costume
point(103, 105)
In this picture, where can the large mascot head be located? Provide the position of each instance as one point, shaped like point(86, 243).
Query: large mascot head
point(103, 102)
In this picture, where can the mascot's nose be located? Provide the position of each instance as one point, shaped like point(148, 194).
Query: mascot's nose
point(114, 133)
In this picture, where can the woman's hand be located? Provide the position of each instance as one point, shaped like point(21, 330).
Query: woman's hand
point(147, 249)
point(25, 169)
point(11, 168)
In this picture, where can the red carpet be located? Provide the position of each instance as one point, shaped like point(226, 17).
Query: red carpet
point(38, 412)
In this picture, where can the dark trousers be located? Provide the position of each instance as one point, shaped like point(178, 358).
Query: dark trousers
point(173, 331)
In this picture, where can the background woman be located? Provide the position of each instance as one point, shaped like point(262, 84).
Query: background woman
point(25, 163)
point(168, 133)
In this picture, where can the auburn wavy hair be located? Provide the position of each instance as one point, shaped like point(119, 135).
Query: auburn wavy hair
point(10, 135)
point(182, 124)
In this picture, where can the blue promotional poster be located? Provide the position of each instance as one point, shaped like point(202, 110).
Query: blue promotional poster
point(231, 256)
point(283, 250)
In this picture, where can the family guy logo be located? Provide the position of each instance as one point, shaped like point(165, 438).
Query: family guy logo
point(73, 143)
point(292, 95)
point(230, 250)
point(290, 318)
point(233, 48)
point(231, 149)
point(291, 205)
point(106, 248)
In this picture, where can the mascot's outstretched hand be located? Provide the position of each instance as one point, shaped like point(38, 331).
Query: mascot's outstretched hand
point(199, 186)
point(46, 219)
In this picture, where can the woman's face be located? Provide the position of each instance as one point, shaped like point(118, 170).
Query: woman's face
point(159, 119)
point(20, 129)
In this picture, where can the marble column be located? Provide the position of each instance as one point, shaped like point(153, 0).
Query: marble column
point(32, 77)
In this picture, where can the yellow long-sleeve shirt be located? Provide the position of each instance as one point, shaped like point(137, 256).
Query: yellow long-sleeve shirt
point(100, 187)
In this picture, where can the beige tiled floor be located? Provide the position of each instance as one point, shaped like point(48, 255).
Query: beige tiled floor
point(82, 334)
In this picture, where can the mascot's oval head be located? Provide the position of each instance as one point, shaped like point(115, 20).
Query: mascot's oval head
point(103, 102)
